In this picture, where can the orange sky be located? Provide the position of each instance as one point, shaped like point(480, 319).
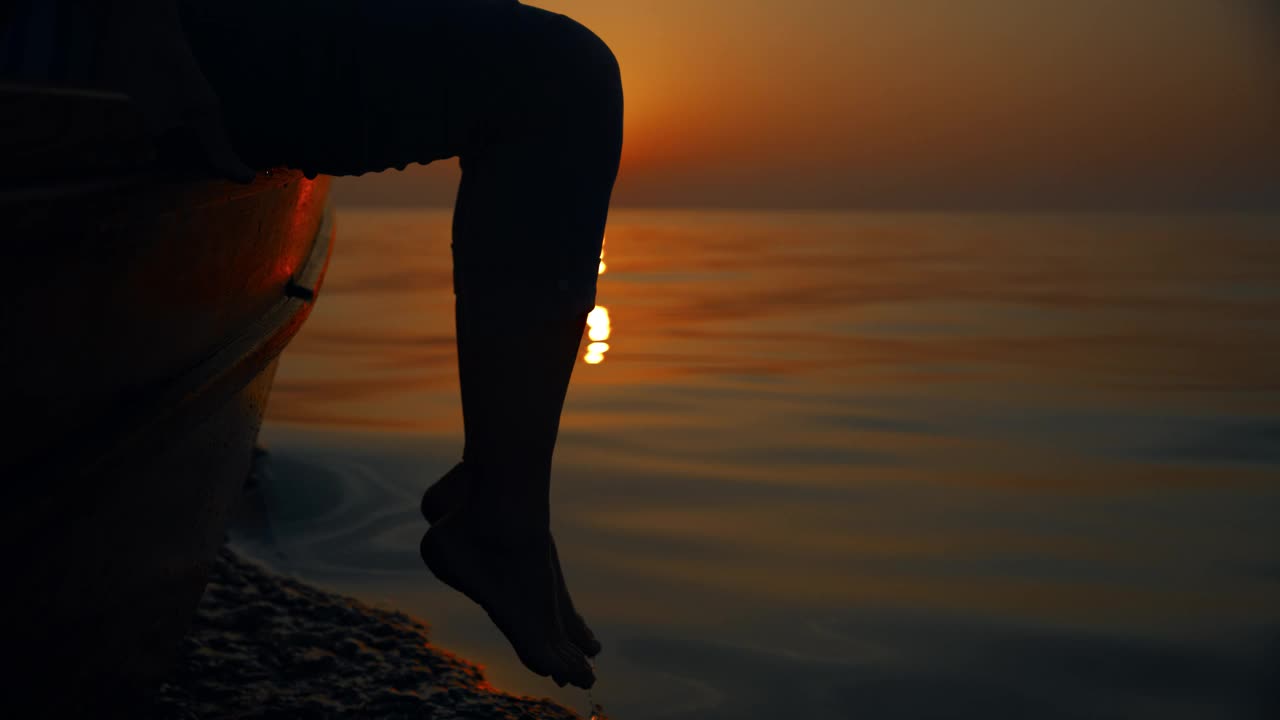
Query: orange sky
point(933, 103)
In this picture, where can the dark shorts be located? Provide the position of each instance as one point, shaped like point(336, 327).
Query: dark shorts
point(529, 101)
point(344, 87)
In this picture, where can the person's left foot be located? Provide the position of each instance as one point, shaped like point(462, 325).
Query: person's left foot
point(448, 493)
point(508, 573)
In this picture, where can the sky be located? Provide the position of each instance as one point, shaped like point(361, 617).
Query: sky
point(931, 104)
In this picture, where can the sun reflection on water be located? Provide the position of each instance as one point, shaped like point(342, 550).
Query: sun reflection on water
point(598, 326)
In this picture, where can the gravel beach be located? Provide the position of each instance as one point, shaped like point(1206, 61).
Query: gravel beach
point(267, 646)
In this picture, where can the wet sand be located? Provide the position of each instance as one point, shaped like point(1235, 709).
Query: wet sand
point(267, 646)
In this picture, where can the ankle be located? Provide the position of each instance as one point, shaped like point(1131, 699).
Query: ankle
point(505, 517)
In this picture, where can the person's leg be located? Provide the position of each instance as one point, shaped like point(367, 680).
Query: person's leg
point(528, 229)
point(531, 103)
point(448, 494)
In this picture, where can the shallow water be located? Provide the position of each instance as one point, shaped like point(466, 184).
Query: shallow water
point(844, 465)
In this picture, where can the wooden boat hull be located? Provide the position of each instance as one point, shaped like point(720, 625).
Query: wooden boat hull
point(143, 321)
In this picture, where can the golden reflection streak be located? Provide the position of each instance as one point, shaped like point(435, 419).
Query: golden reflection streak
point(598, 330)
point(598, 326)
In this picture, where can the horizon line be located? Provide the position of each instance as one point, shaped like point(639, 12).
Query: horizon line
point(1137, 209)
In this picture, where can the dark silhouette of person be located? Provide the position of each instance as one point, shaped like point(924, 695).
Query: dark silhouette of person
point(531, 104)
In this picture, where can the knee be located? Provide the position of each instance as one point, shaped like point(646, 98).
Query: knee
point(573, 70)
point(590, 64)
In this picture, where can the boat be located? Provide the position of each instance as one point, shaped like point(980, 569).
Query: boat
point(144, 313)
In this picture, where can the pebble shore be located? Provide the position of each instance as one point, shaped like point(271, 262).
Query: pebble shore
point(263, 646)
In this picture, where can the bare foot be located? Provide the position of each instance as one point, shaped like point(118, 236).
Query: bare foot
point(510, 575)
point(448, 493)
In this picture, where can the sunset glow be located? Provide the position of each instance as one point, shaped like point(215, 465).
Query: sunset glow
point(929, 103)
point(839, 102)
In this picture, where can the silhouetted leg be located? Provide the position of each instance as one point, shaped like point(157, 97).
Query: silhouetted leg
point(528, 227)
point(531, 103)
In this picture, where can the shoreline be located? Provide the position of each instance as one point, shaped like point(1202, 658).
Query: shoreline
point(266, 646)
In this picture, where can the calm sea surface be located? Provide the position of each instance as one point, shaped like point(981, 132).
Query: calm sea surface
point(843, 465)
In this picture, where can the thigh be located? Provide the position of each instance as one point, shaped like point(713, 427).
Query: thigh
point(345, 87)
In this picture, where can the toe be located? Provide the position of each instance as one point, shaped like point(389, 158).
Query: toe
point(573, 668)
point(581, 635)
point(591, 647)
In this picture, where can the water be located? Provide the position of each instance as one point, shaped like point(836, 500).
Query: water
point(844, 465)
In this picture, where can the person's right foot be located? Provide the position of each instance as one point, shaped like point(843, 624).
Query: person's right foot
point(448, 493)
point(511, 577)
